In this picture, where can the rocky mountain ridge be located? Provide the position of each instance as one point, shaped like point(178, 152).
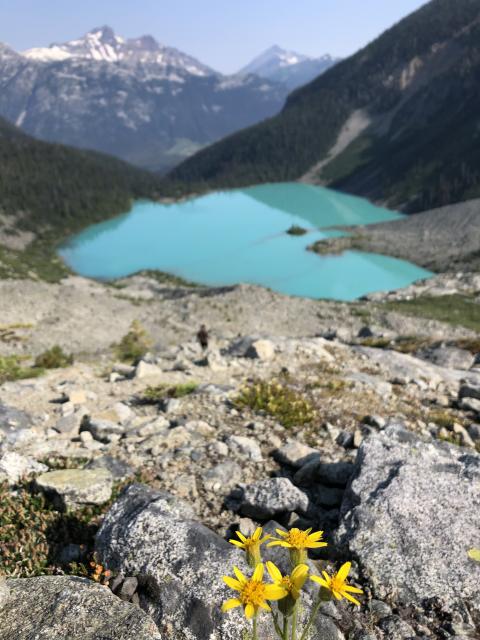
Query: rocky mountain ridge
point(141, 101)
point(289, 67)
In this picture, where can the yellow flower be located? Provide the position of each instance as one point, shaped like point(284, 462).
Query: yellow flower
point(292, 583)
point(338, 585)
point(298, 541)
point(251, 545)
point(253, 592)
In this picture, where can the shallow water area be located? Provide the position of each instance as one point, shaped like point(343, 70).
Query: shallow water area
point(238, 236)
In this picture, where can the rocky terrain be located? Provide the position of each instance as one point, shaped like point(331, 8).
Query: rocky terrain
point(441, 239)
point(122, 481)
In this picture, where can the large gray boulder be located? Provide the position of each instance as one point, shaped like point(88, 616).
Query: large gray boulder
point(410, 515)
point(68, 608)
point(179, 564)
point(178, 561)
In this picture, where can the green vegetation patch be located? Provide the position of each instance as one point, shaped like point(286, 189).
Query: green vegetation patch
point(153, 395)
point(277, 399)
point(456, 309)
point(33, 534)
point(134, 345)
point(54, 358)
point(11, 368)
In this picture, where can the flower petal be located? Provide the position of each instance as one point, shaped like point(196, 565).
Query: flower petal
point(315, 545)
point(314, 537)
point(274, 592)
point(241, 578)
point(232, 583)
point(257, 534)
point(237, 543)
point(274, 571)
point(320, 581)
point(343, 571)
point(284, 534)
point(241, 536)
point(265, 606)
point(352, 599)
point(258, 573)
point(249, 611)
point(231, 604)
point(299, 575)
point(351, 589)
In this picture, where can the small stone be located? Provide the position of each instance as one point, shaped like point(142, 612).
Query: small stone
point(123, 412)
point(73, 487)
point(118, 469)
point(470, 404)
point(464, 435)
point(69, 424)
point(14, 467)
point(124, 370)
point(380, 609)
point(245, 447)
point(171, 405)
point(146, 370)
point(86, 437)
point(469, 391)
point(261, 350)
point(224, 475)
point(201, 427)
point(474, 432)
point(295, 454)
point(267, 498)
point(77, 396)
point(375, 421)
point(218, 448)
point(128, 588)
point(68, 408)
point(357, 438)
point(102, 430)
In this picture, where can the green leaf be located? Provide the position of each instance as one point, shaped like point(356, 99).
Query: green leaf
point(474, 554)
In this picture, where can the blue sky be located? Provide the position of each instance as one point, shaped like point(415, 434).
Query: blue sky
point(225, 34)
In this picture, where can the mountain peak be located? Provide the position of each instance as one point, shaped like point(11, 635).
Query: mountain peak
point(288, 67)
point(102, 44)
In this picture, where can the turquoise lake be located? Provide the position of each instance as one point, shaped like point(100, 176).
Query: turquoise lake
point(240, 236)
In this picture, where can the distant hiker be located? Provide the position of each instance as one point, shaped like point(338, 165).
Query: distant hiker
point(202, 337)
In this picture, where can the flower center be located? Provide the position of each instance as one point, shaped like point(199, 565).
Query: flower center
point(297, 539)
point(253, 593)
point(337, 584)
point(287, 583)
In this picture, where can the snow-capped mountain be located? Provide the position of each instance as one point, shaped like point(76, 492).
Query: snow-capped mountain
point(103, 44)
point(288, 67)
point(135, 98)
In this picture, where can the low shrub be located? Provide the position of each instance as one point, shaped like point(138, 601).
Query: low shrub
point(283, 403)
point(54, 358)
point(161, 392)
point(134, 345)
point(11, 368)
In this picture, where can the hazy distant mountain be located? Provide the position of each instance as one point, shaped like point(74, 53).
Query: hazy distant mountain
point(137, 99)
point(288, 67)
point(397, 122)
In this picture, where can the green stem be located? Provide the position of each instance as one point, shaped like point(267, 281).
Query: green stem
point(277, 626)
point(312, 619)
point(294, 623)
point(285, 628)
point(255, 635)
